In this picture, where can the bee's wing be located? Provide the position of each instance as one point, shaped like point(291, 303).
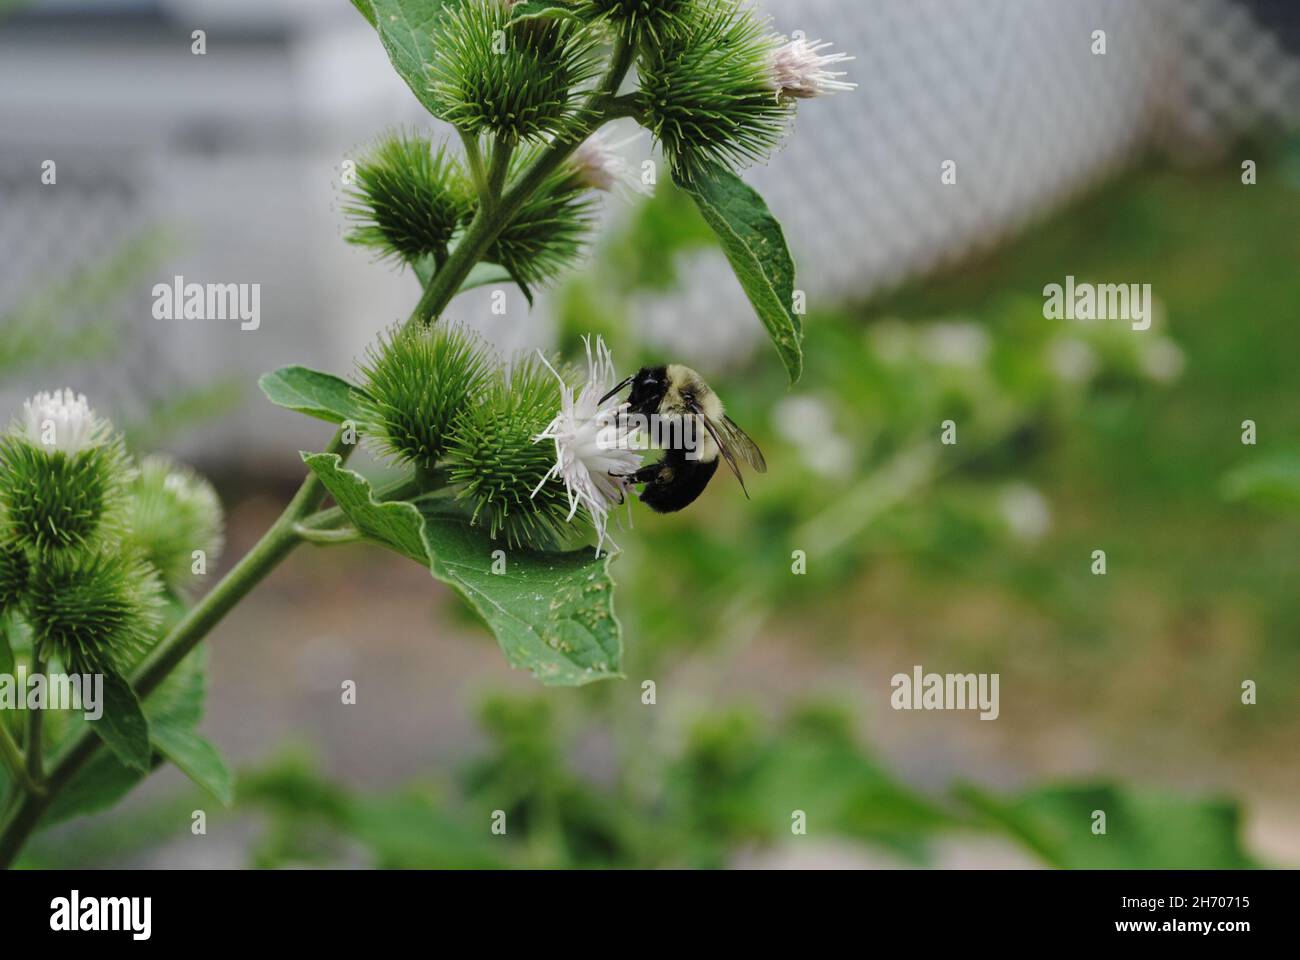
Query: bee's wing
point(739, 441)
point(730, 439)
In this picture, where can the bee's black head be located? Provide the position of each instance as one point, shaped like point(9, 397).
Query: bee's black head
point(649, 384)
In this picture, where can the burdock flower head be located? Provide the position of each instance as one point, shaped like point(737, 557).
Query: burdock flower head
point(63, 473)
point(799, 69)
point(600, 166)
point(61, 421)
point(593, 444)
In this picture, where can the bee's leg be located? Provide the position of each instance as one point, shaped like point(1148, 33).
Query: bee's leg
point(650, 473)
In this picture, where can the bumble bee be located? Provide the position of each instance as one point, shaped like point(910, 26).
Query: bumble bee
point(678, 395)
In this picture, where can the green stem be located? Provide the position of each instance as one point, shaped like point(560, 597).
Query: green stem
point(603, 105)
point(325, 537)
point(35, 728)
point(252, 568)
point(474, 157)
point(501, 152)
point(13, 759)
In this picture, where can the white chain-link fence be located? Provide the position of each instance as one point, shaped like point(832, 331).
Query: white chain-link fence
point(237, 153)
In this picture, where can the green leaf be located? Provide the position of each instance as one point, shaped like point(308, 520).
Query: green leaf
point(552, 613)
point(197, 759)
point(366, 10)
point(1144, 829)
point(754, 243)
point(409, 31)
point(123, 725)
point(317, 394)
point(173, 709)
point(1272, 481)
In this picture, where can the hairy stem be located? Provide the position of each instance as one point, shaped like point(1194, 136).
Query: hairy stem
point(602, 106)
point(474, 157)
point(13, 759)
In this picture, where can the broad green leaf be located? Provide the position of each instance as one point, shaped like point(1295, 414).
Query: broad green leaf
point(123, 725)
point(1144, 829)
point(174, 710)
point(366, 10)
point(754, 244)
point(317, 394)
point(552, 613)
point(1272, 481)
point(176, 706)
point(6, 650)
point(197, 759)
point(409, 32)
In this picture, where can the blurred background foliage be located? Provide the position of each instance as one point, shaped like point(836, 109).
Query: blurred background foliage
point(1072, 437)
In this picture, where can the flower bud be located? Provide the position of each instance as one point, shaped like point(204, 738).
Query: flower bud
point(171, 512)
point(707, 96)
point(548, 233)
point(89, 609)
point(491, 454)
point(15, 570)
point(416, 381)
point(652, 20)
point(62, 474)
point(410, 198)
point(519, 80)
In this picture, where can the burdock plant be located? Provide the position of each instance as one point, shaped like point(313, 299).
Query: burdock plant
point(504, 466)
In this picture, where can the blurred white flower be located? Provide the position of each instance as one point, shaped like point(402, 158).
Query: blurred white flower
point(592, 443)
point(61, 420)
point(1072, 360)
point(799, 69)
point(602, 167)
point(1026, 511)
point(955, 344)
point(1162, 360)
point(807, 424)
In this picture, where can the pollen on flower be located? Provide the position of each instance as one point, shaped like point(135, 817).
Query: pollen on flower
point(593, 444)
point(601, 166)
point(799, 69)
point(61, 420)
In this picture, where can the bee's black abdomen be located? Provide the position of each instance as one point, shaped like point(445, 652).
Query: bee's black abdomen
point(675, 482)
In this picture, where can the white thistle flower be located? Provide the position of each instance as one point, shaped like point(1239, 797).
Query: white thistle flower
point(593, 445)
point(61, 420)
point(799, 69)
point(601, 166)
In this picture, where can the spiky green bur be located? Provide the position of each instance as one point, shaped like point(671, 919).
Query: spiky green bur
point(517, 80)
point(410, 196)
point(651, 20)
point(492, 456)
point(15, 570)
point(549, 233)
point(171, 512)
point(708, 94)
point(416, 381)
point(59, 501)
point(94, 608)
